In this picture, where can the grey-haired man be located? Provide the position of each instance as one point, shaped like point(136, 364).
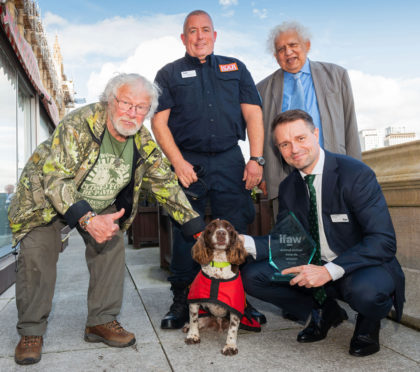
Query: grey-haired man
point(88, 175)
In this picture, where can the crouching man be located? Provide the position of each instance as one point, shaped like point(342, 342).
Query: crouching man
point(340, 203)
point(88, 175)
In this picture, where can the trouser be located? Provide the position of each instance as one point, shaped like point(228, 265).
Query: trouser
point(225, 192)
point(368, 290)
point(36, 277)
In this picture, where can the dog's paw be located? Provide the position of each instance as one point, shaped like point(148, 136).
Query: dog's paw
point(229, 350)
point(192, 340)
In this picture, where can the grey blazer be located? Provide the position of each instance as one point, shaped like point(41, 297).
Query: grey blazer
point(336, 107)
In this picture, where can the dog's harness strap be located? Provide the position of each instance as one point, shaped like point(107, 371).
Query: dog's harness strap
point(219, 264)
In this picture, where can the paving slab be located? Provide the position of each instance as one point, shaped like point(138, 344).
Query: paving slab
point(140, 357)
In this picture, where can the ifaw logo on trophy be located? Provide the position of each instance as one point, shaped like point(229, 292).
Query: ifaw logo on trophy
point(289, 245)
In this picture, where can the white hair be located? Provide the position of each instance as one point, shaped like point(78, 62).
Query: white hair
point(302, 31)
point(119, 80)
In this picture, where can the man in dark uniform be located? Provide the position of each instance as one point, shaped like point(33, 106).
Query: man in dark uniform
point(206, 105)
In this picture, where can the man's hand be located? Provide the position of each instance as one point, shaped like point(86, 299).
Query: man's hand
point(308, 275)
point(252, 174)
point(103, 228)
point(185, 172)
point(263, 187)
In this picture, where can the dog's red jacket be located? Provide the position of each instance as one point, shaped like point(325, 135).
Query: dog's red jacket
point(228, 293)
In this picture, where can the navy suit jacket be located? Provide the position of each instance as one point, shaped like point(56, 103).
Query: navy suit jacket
point(368, 239)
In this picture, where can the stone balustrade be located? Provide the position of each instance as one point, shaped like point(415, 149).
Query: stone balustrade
point(398, 171)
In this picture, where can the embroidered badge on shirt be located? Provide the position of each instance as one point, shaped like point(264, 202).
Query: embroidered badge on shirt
point(229, 67)
point(188, 74)
point(339, 218)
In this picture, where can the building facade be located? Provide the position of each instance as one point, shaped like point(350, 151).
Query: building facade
point(34, 96)
point(371, 139)
point(397, 135)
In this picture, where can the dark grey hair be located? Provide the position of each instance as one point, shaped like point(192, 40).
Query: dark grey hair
point(293, 115)
point(302, 31)
point(131, 79)
point(194, 13)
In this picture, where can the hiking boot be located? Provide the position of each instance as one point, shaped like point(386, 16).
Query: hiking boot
point(178, 313)
point(111, 333)
point(28, 350)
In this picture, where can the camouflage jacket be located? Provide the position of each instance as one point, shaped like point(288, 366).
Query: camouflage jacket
point(48, 186)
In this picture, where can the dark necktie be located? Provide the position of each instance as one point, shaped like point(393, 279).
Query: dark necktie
point(319, 292)
point(297, 101)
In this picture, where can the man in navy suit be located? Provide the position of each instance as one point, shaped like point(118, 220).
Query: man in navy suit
point(356, 239)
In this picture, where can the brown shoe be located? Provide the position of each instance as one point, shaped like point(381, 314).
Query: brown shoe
point(111, 334)
point(28, 350)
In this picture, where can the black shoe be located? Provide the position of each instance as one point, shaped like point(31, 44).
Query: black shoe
point(178, 313)
point(365, 340)
point(251, 311)
point(329, 315)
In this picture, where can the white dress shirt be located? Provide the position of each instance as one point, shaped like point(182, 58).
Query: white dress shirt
point(327, 254)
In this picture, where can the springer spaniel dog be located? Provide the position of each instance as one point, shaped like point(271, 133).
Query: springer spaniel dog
point(218, 287)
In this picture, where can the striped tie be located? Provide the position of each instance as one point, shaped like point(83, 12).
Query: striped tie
point(319, 292)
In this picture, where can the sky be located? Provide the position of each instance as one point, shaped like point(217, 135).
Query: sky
point(378, 42)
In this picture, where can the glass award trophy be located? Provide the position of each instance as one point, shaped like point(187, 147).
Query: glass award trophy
point(289, 245)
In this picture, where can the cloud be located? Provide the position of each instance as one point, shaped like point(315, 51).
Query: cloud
point(113, 37)
point(227, 3)
point(260, 13)
point(146, 60)
point(110, 42)
point(51, 19)
point(382, 102)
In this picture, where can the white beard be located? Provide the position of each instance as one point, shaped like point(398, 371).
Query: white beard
point(124, 131)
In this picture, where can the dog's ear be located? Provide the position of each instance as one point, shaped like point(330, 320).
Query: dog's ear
point(236, 253)
point(201, 253)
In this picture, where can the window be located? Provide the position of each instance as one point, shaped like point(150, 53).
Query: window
point(8, 166)
point(25, 133)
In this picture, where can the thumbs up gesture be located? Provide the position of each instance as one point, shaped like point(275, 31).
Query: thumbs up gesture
point(104, 227)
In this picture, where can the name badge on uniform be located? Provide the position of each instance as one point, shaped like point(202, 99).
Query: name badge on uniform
point(229, 67)
point(188, 74)
point(339, 218)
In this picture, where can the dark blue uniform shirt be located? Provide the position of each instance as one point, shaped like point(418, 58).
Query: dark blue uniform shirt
point(205, 101)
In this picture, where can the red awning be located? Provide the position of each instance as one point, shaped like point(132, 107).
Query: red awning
point(28, 61)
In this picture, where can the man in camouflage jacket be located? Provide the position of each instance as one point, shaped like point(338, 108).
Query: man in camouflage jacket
point(55, 189)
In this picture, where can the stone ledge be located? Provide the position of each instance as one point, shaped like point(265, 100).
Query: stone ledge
point(397, 169)
point(7, 272)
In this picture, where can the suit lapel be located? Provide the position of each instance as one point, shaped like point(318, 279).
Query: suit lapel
point(322, 92)
point(277, 92)
point(298, 201)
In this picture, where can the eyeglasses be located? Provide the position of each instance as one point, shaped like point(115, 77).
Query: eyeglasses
point(126, 106)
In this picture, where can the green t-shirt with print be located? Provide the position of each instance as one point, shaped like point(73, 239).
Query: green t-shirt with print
point(110, 174)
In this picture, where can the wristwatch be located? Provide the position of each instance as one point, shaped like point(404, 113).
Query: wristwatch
point(259, 159)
